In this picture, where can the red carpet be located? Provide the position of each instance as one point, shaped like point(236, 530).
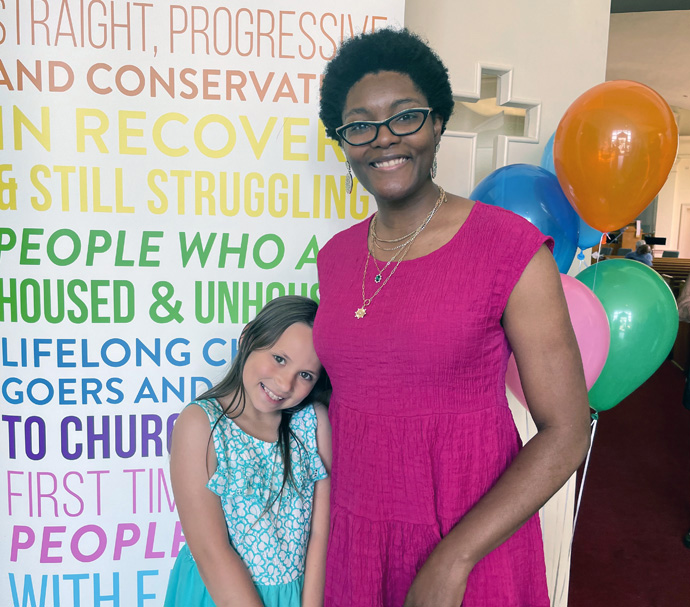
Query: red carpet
point(628, 549)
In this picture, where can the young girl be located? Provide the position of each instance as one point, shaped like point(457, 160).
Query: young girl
point(249, 468)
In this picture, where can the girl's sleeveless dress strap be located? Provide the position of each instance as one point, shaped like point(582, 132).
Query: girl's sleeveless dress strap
point(247, 475)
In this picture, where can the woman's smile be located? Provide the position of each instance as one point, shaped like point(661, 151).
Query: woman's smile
point(388, 164)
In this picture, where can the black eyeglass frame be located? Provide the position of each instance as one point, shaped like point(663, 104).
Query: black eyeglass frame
point(379, 123)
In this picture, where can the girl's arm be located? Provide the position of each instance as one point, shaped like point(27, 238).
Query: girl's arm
point(315, 568)
point(192, 462)
point(537, 324)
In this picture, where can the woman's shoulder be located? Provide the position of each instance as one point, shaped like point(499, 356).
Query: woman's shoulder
point(345, 239)
point(494, 216)
point(509, 230)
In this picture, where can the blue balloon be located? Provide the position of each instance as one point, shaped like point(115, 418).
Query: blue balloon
point(535, 194)
point(589, 237)
point(547, 156)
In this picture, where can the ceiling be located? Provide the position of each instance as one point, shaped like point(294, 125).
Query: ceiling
point(652, 46)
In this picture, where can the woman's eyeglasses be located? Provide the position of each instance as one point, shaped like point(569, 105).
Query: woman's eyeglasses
point(400, 124)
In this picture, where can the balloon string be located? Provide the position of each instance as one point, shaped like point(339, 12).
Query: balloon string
point(596, 265)
point(564, 528)
point(595, 419)
point(593, 426)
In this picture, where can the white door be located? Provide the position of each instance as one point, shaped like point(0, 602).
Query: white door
point(684, 234)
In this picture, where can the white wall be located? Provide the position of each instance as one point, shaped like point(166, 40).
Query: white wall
point(557, 50)
point(673, 195)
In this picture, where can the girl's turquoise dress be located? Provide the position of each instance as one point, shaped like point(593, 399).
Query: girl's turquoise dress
point(272, 543)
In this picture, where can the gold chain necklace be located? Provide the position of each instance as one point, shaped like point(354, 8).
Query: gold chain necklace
point(379, 275)
point(393, 240)
point(379, 270)
point(376, 240)
point(366, 301)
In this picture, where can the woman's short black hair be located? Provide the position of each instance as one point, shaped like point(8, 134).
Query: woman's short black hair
point(388, 50)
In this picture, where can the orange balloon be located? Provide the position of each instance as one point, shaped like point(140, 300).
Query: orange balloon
point(613, 150)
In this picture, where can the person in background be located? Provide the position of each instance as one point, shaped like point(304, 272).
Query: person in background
point(433, 500)
point(249, 468)
point(642, 253)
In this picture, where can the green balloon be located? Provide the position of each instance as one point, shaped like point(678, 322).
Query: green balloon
point(643, 317)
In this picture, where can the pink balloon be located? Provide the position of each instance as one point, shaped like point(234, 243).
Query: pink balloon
point(592, 332)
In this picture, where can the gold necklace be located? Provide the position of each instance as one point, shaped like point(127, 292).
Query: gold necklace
point(393, 240)
point(366, 301)
point(441, 199)
point(379, 271)
point(400, 248)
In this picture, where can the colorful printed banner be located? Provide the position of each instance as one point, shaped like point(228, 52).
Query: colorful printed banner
point(164, 174)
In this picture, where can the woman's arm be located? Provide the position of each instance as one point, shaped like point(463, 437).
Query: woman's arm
point(192, 462)
point(537, 324)
point(315, 568)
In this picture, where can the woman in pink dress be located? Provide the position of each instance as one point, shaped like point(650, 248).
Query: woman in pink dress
point(434, 499)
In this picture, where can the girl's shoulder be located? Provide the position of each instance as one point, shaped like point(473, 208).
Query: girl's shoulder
point(304, 419)
point(305, 425)
point(307, 422)
point(210, 405)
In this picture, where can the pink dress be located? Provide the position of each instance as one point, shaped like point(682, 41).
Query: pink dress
point(421, 424)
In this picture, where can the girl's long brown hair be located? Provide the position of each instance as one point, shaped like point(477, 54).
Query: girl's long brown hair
point(259, 334)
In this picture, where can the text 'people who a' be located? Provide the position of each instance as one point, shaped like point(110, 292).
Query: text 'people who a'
point(62, 247)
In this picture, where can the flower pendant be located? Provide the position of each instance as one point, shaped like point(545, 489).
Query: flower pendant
point(360, 313)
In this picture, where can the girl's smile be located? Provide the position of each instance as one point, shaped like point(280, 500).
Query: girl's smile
point(271, 395)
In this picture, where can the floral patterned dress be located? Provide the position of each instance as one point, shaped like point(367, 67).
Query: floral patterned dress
point(270, 536)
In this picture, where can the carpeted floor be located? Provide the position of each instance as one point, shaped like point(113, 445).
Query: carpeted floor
point(628, 549)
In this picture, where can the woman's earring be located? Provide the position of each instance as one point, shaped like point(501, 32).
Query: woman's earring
point(434, 166)
point(348, 178)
